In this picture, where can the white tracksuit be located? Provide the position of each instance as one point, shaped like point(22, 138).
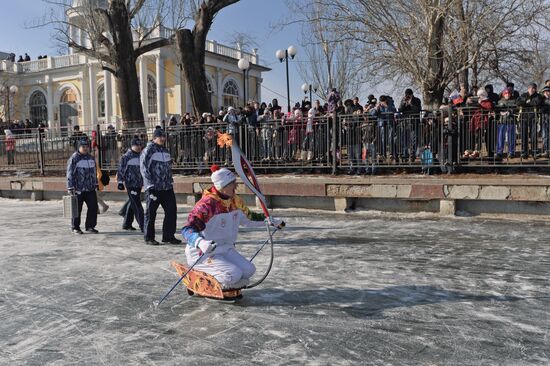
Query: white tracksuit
point(230, 268)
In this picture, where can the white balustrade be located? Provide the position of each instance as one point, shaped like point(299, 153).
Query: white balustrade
point(55, 62)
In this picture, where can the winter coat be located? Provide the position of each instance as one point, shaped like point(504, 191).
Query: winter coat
point(414, 107)
point(129, 171)
point(384, 114)
point(506, 109)
point(10, 143)
point(156, 168)
point(480, 119)
point(232, 122)
point(217, 218)
point(531, 101)
point(333, 99)
point(81, 173)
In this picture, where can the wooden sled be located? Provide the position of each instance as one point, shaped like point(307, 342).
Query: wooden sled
point(205, 285)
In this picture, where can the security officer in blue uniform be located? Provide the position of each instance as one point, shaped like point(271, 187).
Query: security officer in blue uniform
point(129, 174)
point(82, 181)
point(156, 169)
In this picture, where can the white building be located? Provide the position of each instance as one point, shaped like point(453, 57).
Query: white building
point(73, 89)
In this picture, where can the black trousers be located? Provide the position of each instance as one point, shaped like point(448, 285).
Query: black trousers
point(134, 209)
point(124, 208)
point(167, 200)
point(91, 215)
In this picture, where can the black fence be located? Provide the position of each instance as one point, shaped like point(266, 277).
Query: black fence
point(357, 144)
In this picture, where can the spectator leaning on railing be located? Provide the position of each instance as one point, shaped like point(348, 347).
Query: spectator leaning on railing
point(506, 126)
point(530, 104)
point(10, 147)
point(410, 107)
point(546, 120)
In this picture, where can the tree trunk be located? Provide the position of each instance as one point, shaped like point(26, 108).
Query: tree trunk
point(432, 90)
point(129, 95)
point(432, 97)
point(126, 71)
point(464, 29)
point(192, 55)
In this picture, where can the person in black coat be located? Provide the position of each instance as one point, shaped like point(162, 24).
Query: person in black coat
point(530, 104)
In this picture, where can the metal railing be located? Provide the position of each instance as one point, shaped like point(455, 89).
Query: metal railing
point(358, 144)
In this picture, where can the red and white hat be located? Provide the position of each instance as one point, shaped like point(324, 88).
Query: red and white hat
point(221, 177)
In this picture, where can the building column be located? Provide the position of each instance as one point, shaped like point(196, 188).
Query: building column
point(93, 94)
point(49, 101)
point(143, 86)
point(259, 89)
point(219, 80)
point(71, 36)
point(160, 88)
point(78, 38)
point(178, 94)
point(114, 98)
point(108, 96)
point(84, 105)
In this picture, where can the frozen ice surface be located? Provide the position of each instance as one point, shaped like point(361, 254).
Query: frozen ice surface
point(345, 289)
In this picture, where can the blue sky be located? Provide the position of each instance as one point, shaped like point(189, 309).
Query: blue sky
point(252, 17)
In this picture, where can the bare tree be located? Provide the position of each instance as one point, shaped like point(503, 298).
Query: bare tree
point(433, 43)
point(327, 62)
point(109, 28)
point(191, 45)
point(242, 40)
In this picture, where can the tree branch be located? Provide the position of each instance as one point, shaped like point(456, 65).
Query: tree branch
point(153, 45)
point(136, 9)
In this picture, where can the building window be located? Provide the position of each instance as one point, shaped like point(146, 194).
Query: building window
point(101, 101)
point(230, 94)
point(152, 94)
point(38, 107)
point(209, 87)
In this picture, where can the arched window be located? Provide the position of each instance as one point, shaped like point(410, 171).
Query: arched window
point(230, 94)
point(152, 94)
point(101, 101)
point(68, 96)
point(38, 107)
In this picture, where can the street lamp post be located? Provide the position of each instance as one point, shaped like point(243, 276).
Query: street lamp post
point(283, 55)
point(306, 87)
point(9, 90)
point(244, 65)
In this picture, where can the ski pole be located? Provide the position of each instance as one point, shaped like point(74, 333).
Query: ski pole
point(267, 240)
point(181, 279)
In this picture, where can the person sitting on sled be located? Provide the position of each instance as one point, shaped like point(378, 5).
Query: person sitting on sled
point(212, 228)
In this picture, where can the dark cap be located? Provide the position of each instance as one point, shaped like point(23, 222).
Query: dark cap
point(83, 142)
point(533, 85)
point(408, 92)
point(159, 132)
point(546, 89)
point(136, 141)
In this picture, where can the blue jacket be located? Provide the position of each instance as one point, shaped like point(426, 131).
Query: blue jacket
point(129, 170)
point(81, 173)
point(384, 115)
point(156, 168)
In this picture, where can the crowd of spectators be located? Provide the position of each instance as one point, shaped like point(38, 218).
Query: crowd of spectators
point(479, 122)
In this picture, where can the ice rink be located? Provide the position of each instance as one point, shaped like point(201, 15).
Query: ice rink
point(345, 289)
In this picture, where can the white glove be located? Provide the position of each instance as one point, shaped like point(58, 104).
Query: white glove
point(278, 223)
point(206, 245)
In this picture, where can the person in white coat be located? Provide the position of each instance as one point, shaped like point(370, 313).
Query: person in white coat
point(212, 228)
